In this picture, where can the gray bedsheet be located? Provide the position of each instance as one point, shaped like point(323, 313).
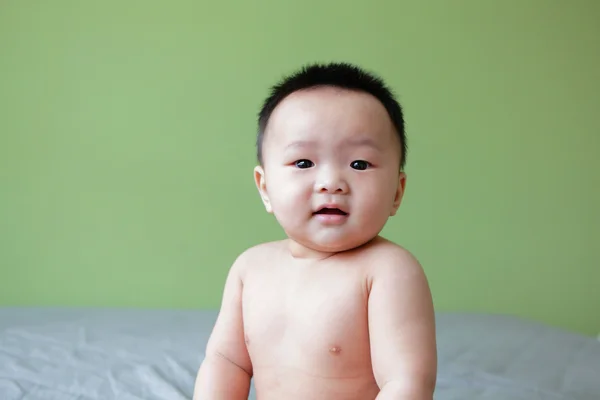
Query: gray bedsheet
point(85, 354)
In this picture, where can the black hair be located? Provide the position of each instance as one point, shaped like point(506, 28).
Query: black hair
point(342, 75)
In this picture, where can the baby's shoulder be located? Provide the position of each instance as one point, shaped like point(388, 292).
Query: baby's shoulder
point(262, 250)
point(385, 257)
point(257, 255)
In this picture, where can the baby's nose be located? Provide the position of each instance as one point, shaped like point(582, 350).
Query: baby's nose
point(338, 186)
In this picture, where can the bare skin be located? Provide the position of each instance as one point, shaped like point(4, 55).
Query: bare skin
point(324, 329)
point(335, 311)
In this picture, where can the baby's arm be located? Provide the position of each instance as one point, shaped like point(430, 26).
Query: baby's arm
point(226, 370)
point(402, 329)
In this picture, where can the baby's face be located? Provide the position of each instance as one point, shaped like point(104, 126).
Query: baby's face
point(330, 171)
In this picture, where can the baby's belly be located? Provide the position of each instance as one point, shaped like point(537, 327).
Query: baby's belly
point(303, 367)
point(311, 343)
point(291, 383)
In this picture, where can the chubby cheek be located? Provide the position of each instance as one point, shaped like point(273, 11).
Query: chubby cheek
point(379, 202)
point(289, 197)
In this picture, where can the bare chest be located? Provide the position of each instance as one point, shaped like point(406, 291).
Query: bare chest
point(312, 322)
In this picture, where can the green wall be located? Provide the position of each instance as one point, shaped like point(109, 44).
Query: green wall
point(127, 145)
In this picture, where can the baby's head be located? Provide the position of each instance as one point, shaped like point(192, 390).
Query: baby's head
point(331, 149)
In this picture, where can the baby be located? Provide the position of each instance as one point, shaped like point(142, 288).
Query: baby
point(334, 311)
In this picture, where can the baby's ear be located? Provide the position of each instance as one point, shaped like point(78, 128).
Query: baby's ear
point(259, 180)
point(399, 193)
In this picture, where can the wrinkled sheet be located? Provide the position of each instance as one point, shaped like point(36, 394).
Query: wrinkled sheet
point(89, 354)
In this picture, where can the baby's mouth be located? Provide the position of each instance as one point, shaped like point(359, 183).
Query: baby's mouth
point(330, 211)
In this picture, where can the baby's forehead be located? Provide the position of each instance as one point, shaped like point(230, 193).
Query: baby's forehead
point(330, 112)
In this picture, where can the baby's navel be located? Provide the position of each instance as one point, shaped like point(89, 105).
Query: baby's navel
point(335, 350)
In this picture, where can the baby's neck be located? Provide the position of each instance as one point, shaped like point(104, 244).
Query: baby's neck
point(299, 251)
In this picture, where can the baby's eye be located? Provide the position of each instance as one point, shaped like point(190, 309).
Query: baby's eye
point(360, 164)
point(302, 164)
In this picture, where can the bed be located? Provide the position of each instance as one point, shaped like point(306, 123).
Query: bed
point(127, 354)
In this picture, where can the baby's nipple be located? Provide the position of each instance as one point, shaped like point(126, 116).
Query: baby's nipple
point(335, 350)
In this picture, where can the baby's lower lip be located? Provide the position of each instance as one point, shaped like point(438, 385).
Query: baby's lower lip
point(331, 218)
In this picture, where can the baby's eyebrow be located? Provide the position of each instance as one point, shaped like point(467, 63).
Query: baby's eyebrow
point(356, 142)
point(300, 144)
point(364, 142)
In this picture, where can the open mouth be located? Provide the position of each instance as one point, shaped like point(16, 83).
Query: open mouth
point(330, 211)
